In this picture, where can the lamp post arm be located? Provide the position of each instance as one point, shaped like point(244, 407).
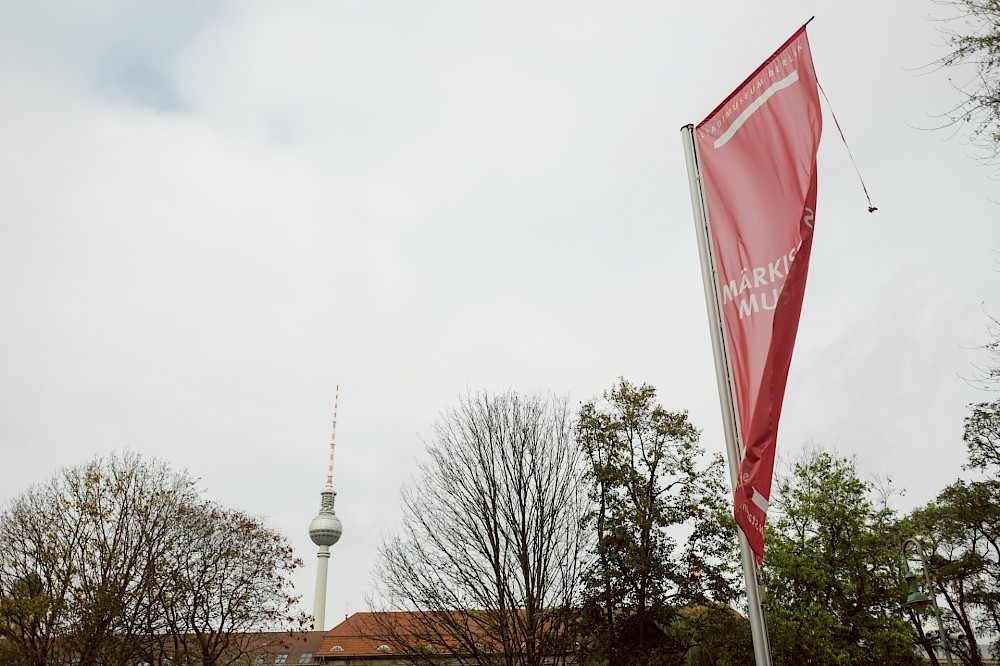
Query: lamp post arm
point(933, 595)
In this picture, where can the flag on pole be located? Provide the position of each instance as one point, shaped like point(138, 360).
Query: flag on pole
point(757, 153)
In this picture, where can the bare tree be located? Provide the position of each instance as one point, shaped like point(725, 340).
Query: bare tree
point(120, 559)
point(488, 558)
point(226, 577)
point(86, 545)
point(972, 33)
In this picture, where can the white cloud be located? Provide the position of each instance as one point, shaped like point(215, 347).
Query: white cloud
point(214, 215)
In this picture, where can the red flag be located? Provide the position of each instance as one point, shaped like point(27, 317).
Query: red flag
point(758, 162)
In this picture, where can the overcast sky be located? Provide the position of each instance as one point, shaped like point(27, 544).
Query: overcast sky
point(211, 214)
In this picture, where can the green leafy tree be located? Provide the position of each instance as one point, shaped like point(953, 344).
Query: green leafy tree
point(832, 570)
point(982, 436)
point(649, 485)
point(25, 613)
point(712, 635)
point(961, 531)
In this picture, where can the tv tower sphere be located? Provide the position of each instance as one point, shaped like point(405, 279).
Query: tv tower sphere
point(325, 529)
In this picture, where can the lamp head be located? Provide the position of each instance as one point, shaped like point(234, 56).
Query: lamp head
point(916, 600)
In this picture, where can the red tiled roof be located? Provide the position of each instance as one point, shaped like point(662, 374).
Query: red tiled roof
point(294, 645)
point(363, 633)
point(360, 634)
point(356, 636)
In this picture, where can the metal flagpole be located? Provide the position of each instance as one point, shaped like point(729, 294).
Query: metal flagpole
point(723, 375)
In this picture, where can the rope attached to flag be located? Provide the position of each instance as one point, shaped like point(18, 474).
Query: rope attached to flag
point(871, 208)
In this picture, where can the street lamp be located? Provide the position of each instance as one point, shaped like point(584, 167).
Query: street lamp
point(916, 600)
point(919, 601)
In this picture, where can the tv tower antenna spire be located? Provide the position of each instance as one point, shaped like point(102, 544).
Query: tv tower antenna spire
point(325, 530)
point(333, 438)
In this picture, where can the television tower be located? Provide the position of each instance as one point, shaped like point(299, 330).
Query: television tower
point(325, 530)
